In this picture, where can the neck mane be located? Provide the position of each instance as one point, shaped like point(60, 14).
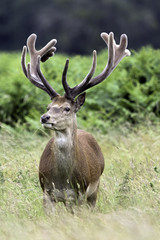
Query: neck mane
point(65, 148)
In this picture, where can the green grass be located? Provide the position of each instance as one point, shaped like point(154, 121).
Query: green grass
point(128, 204)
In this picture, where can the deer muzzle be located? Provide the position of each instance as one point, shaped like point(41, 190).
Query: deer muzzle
point(45, 118)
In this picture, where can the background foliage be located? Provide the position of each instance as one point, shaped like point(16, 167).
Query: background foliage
point(130, 95)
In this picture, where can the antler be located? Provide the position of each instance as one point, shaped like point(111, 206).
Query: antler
point(115, 54)
point(32, 71)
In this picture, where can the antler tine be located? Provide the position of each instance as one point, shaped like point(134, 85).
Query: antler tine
point(48, 48)
point(73, 92)
point(23, 60)
point(109, 39)
point(121, 49)
point(32, 72)
point(64, 80)
point(91, 72)
point(33, 79)
point(82, 86)
point(51, 91)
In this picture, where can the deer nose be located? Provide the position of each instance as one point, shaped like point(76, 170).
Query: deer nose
point(44, 118)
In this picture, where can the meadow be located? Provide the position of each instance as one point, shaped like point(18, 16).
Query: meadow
point(128, 204)
point(122, 113)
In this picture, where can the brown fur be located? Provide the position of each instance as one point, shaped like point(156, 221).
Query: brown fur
point(88, 166)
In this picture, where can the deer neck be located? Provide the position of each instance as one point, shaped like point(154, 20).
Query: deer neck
point(65, 143)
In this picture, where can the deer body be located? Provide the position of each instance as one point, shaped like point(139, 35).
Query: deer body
point(72, 162)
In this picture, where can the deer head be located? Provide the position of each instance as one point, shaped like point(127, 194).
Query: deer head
point(62, 110)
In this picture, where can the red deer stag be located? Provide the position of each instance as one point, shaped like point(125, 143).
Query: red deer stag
point(72, 162)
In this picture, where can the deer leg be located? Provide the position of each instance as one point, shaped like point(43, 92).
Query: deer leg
point(70, 199)
point(91, 193)
point(51, 196)
point(48, 204)
point(92, 199)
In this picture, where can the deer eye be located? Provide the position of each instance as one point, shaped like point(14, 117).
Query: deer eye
point(67, 109)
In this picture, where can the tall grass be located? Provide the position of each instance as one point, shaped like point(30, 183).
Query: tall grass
point(128, 204)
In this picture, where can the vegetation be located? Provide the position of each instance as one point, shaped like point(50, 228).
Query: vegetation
point(128, 202)
point(130, 95)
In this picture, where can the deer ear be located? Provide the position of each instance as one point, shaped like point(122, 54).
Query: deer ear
point(80, 101)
